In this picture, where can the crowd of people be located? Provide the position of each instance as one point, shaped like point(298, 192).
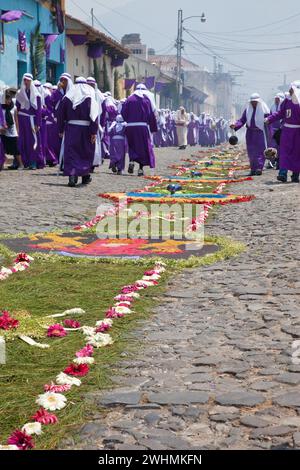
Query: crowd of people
point(75, 126)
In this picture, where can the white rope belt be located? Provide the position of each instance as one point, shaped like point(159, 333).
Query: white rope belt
point(292, 126)
point(20, 113)
point(133, 124)
point(79, 123)
point(118, 137)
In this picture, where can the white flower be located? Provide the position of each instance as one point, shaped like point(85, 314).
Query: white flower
point(64, 379)
point(32, 428)
point(100, 340)
point(123, 302)
point(5, 271)
point(52, 401)
point(21, 266)
point(84, 360)
point(153, 277)
point(145, 283)
point(107, 321)
point(124, 310)
point(74, 311)
point(9, 447)
point(88, 330)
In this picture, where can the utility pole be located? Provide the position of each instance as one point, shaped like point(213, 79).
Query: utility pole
point(92, 15)
point(179, 45)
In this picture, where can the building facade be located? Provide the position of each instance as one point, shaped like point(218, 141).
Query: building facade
point(33, 43)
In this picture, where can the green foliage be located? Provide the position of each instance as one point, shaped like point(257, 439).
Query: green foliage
point(37, 53)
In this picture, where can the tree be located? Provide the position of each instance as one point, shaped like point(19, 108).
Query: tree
point(106, 82)
point(37, 53)
point(116, 88)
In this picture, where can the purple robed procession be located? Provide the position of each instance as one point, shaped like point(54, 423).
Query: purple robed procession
point(118, 146)
point(141, 121)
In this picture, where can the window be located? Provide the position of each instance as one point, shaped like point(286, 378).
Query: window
point(51, 72)
point(76, 62)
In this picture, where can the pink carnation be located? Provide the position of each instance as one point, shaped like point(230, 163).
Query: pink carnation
point(20, 439)
point(57, 388)
point(111, 313)
point(22, 257)
point(56, 331)
point(102, 328)
point(72, 324)
point(87, 351)
point(124, 298)
point(129, 289)
point(44, 417)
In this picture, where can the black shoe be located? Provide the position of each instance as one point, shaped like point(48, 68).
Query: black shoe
point(120, 172)
point(73, 180)
point(258, 173)
point(141, 172)
point(12, 167)
point(114, 169)
point(52, 165)
point(86, 179)
point(282, 178)
point(252, 173)
point(131, 168)
point(295, 178)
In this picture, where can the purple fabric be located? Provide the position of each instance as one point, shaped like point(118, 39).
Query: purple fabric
point(290, 138)
point(2, 153)
point(60, 21)
point(29, 154)
point(129, 83)
point(117, 62)
point(11, 15)
point(79, 152)
point(192, 133)
point(62, 55)
point(159, 86)
point(137, 109)
point(49, 39)
point(150, 82)
point(22, 41)
point(78, 39)
point(95, 51)
point(50, 138)
point(255, 140)
point(117, 148)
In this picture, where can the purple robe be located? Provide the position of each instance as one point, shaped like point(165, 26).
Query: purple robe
point(30, 143)
point(290, 136)
point(192, 133)
point(256, 141)
point(53, 134)
point(108, 116)
point(48, 140)
point(2, 153)
point(141, 120)
point(118, 148)
point(78, 150)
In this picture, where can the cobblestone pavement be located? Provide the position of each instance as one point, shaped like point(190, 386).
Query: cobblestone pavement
point(40, 200)
point(215, 371)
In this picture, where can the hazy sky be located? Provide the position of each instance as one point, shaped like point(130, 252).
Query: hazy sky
point(255, 36)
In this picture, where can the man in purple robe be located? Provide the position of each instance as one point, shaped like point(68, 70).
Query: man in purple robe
point(29, 116)
point(139, 113)
point(256, 137)
point(108, 116)
point(289, 113)
point(78, 121)
point(192, 131)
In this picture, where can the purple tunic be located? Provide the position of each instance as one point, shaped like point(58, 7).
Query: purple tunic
point(53, 134)
point(48, 135)
point(256, 141)
point(192, 133)
point(78, 150)
point(118, 148)
point(290, 136)
point(30, 144)
point(141, 120)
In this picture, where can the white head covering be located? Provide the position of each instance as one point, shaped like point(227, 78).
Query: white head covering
point(296, 95)
point(261, 109)
point(119, 123)
point(67, 77)
point(22, 97)
point(3, 90)
point(48, 86)
point(80, 92)
point(275, 107)
point(142, 91)
point(43, 92)
point(99, 96)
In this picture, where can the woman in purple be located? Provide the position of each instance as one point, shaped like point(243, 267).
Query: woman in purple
point(289, 113)
point(256, 137)
point(29, 116)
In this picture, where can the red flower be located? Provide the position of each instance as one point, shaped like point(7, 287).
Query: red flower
point(72, 324)
point(77, 370)
point(21, 257)
point(57, 388)
point(44, 417)
point(21, 440)
point(56, 331)
point(104, 327)
point(7, 322)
